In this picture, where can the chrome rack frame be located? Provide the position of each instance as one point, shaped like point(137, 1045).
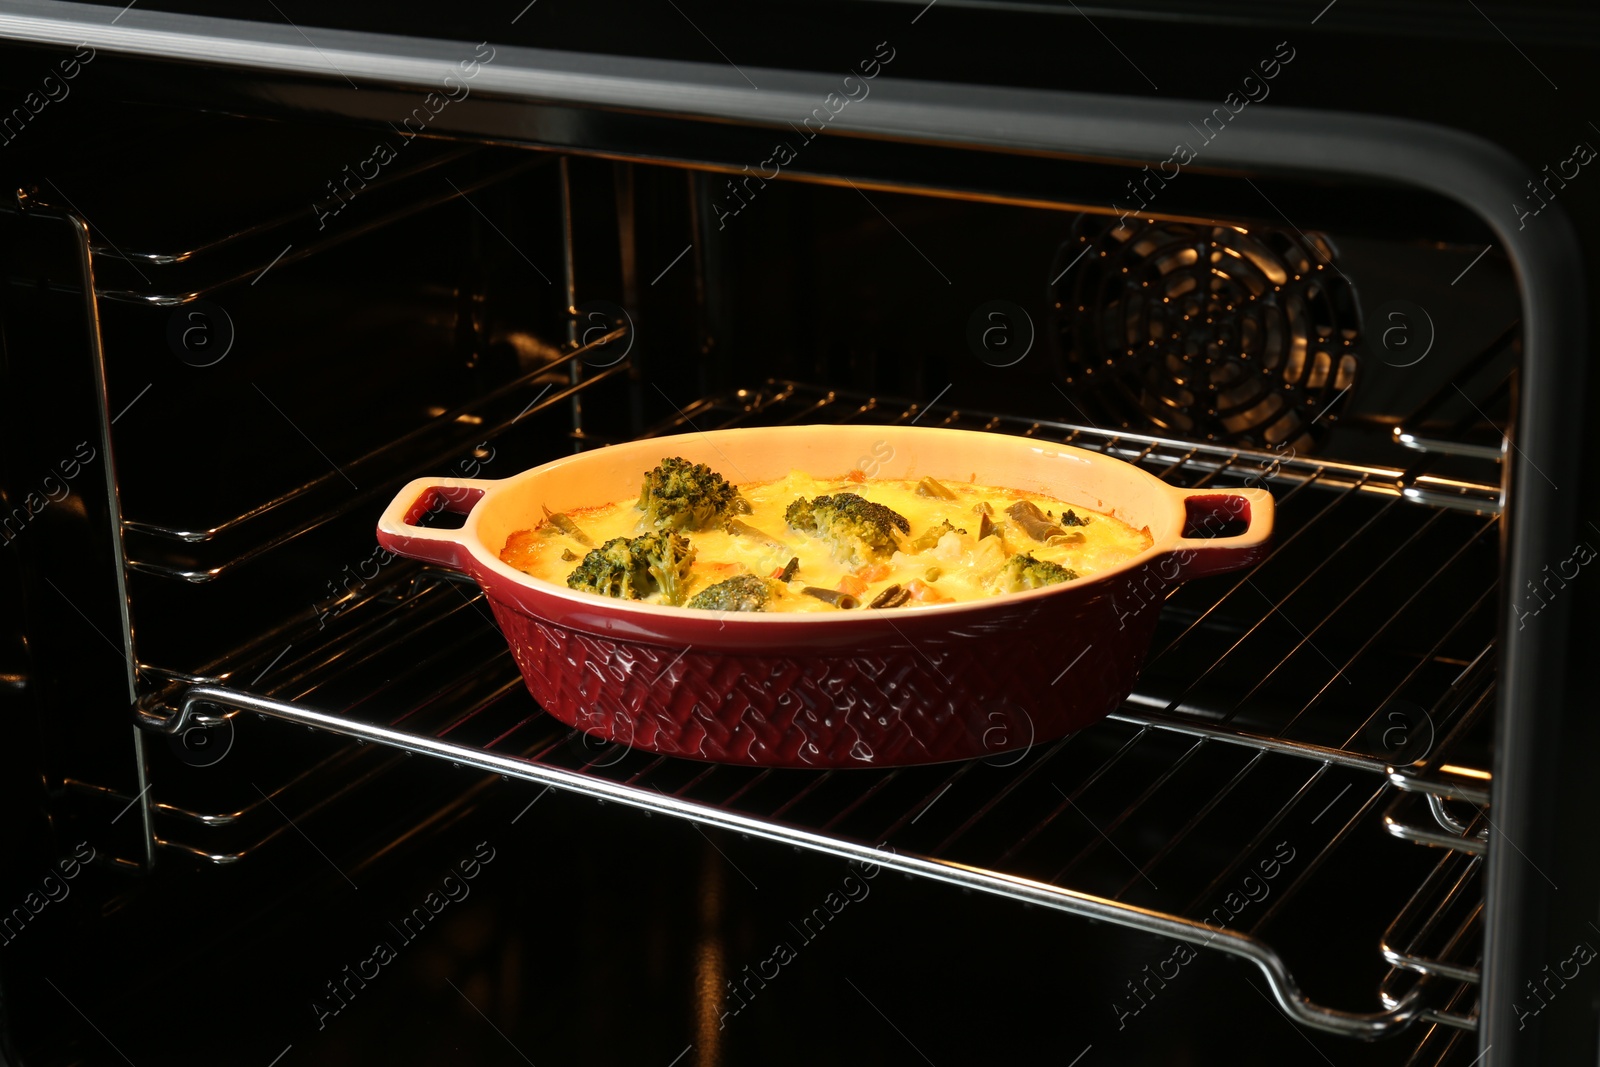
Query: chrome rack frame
point(179, 276)
point(1415, 431)
point(326, 497)
point(1451, 891)
point(1285, 990)
point(479, 716)
point(801, 402)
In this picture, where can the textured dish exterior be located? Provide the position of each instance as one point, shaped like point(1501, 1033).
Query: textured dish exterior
point(849, 689)
point(949, 696)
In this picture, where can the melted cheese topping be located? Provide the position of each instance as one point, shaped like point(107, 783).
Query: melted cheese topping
point(959, 567)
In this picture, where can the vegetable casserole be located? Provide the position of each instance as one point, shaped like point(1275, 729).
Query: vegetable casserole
point(807, 544)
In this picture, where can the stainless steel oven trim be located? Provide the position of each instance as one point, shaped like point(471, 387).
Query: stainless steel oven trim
point(1481, 176)
point(146, 803)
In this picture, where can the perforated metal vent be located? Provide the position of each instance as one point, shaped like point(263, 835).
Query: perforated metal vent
point(1208, 332)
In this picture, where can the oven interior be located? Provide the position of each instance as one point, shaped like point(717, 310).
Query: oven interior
point(260, 346)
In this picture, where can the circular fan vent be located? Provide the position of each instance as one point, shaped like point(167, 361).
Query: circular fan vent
point(1206, 332)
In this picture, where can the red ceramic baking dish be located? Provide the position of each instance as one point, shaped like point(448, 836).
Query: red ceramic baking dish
point(857, 688)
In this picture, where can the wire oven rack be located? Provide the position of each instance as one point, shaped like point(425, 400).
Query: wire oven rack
point(1151, 820)
point(172, 551)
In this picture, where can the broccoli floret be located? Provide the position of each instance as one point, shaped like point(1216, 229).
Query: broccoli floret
point(633, 568)
point(930, 537)
point(858, 529)
point(666, 557)
point(801, 515)
point(745, 592)
point(1024, 572)
point(679, 495)
point(609, 570)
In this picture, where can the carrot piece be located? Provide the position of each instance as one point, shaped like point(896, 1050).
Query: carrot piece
point(852, 585)
point(874, 572)
point(924, 593)
point(857, 475)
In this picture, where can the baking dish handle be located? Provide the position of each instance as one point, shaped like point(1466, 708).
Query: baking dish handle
point(1200, 556)
point(397, 529)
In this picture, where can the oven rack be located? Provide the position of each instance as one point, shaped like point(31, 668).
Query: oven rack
point(1439, 929)
point(542, 752)
point(227, 837)
point(1427, 429)
point(201, 555)
point(1439, 933)
point(171, 277)
point(1432, 792)
point(1427, 819)
point(939, 822)
point(781, 402)
point(1441, 770)
point(1446, 1046)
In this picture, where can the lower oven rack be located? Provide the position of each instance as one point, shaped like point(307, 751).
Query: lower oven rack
point(417, 665)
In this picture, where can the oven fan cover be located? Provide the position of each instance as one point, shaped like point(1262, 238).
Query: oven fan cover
point(1206, 332)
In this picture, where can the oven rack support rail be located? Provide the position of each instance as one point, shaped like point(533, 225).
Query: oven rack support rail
point(1426, 429)
point(800, 401)
point(180, 276)
point(1286, 991)
point(1449, 901)
point(298, 511)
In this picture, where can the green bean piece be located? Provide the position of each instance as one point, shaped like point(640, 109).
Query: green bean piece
point(561, 522)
